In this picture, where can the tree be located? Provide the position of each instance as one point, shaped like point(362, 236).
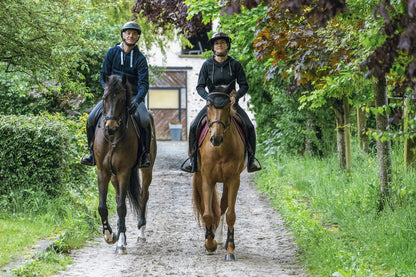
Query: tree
point(52, 52)
point(168, 14)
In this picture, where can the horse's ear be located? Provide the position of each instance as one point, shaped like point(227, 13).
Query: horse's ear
point(124, 79)
point(105, 78)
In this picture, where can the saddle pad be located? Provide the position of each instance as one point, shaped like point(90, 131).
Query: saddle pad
point(203, 134)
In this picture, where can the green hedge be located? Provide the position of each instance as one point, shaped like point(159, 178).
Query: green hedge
point(35, 154)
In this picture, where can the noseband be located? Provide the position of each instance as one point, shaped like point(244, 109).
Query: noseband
point(113, 117)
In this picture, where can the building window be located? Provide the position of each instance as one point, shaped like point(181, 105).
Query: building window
point(199, 45)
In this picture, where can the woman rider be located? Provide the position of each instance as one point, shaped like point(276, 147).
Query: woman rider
point(221, 69)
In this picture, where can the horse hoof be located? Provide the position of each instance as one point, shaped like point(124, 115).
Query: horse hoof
point(230, 257)
point(211, 250)
point(109, 238)
point(140, 239)
point(121, 250)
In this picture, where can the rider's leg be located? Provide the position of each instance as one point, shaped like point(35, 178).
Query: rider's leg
point(92, 120)
point(252, 163)
point(191, 164)
point(145, 135)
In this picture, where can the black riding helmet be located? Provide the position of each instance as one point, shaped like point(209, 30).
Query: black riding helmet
point(220, 35)
point(131, 25)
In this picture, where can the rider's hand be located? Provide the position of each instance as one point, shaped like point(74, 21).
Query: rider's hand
point(134, 104)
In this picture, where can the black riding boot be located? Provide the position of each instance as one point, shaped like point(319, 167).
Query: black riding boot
point(190, 165)
point(90, 160)
point(146, 137)
point(252, 163)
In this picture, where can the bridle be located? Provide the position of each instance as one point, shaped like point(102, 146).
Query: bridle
point(122, 119)
point(227, 125)
point(119, 119)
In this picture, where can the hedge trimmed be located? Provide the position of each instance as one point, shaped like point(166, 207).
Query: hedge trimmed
point(34, 154)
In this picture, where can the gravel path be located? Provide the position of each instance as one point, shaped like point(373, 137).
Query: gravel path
point(175, 242)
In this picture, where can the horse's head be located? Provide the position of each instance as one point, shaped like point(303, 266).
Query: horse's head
point(220, 110)
point(116, 100)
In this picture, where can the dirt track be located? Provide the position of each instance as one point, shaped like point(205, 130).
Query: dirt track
point(175, 242)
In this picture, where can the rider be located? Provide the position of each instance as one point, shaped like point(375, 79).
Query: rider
point(126, 59)
point(221, 69)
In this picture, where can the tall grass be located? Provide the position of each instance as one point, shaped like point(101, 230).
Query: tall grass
point(334, 214)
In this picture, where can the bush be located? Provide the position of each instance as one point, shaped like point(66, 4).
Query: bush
point(39, 156)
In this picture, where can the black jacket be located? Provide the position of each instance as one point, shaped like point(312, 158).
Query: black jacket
point(132, 64)
point(222, 74)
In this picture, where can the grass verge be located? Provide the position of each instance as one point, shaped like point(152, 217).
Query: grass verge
point(334, 214)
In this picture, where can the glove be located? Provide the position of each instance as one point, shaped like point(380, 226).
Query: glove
point(133, 106)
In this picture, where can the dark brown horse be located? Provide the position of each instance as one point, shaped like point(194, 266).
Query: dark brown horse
point(221, 159)
point(116, 148)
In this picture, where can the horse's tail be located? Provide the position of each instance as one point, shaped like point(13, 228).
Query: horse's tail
point(197, 197)
point(134, 191)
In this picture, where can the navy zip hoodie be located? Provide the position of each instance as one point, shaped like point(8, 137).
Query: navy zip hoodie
point(222, 73)
point(132, 64)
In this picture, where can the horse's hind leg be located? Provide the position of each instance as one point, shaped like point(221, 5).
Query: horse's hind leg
point(103, 180)
point(144, 197)
point(223, 206)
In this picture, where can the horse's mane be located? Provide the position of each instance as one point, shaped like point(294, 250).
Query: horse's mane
point(233, 111)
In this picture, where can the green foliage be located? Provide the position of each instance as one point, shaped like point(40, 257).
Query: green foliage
point(208, 8)
point(38, 158)
point(33, 156)
point(33, 207)
point(43, 264)
point(334, 216)
point(52, 52)
point(282, 127)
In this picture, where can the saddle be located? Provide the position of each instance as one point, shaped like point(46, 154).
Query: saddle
point(202, 129)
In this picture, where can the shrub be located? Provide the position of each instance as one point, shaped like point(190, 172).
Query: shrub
point(39, 155)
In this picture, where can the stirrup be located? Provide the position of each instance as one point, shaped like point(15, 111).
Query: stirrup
point(188, 166)
point(90, 160)
point(253, 165)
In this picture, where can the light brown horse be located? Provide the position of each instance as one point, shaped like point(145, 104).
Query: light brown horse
point(221, 159)
point(116, 148)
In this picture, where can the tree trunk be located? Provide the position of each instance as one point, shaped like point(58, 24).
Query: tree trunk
point(314, 136)
point(347, 134)
point(409, 143)
point(339, 116)
point(362, 128)
point(383, 146)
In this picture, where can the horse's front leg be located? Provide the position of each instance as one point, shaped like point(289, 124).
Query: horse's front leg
point(121, 193)
point(144, 197)
point(233, 186)
point(102, 181)
point(210, 213)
